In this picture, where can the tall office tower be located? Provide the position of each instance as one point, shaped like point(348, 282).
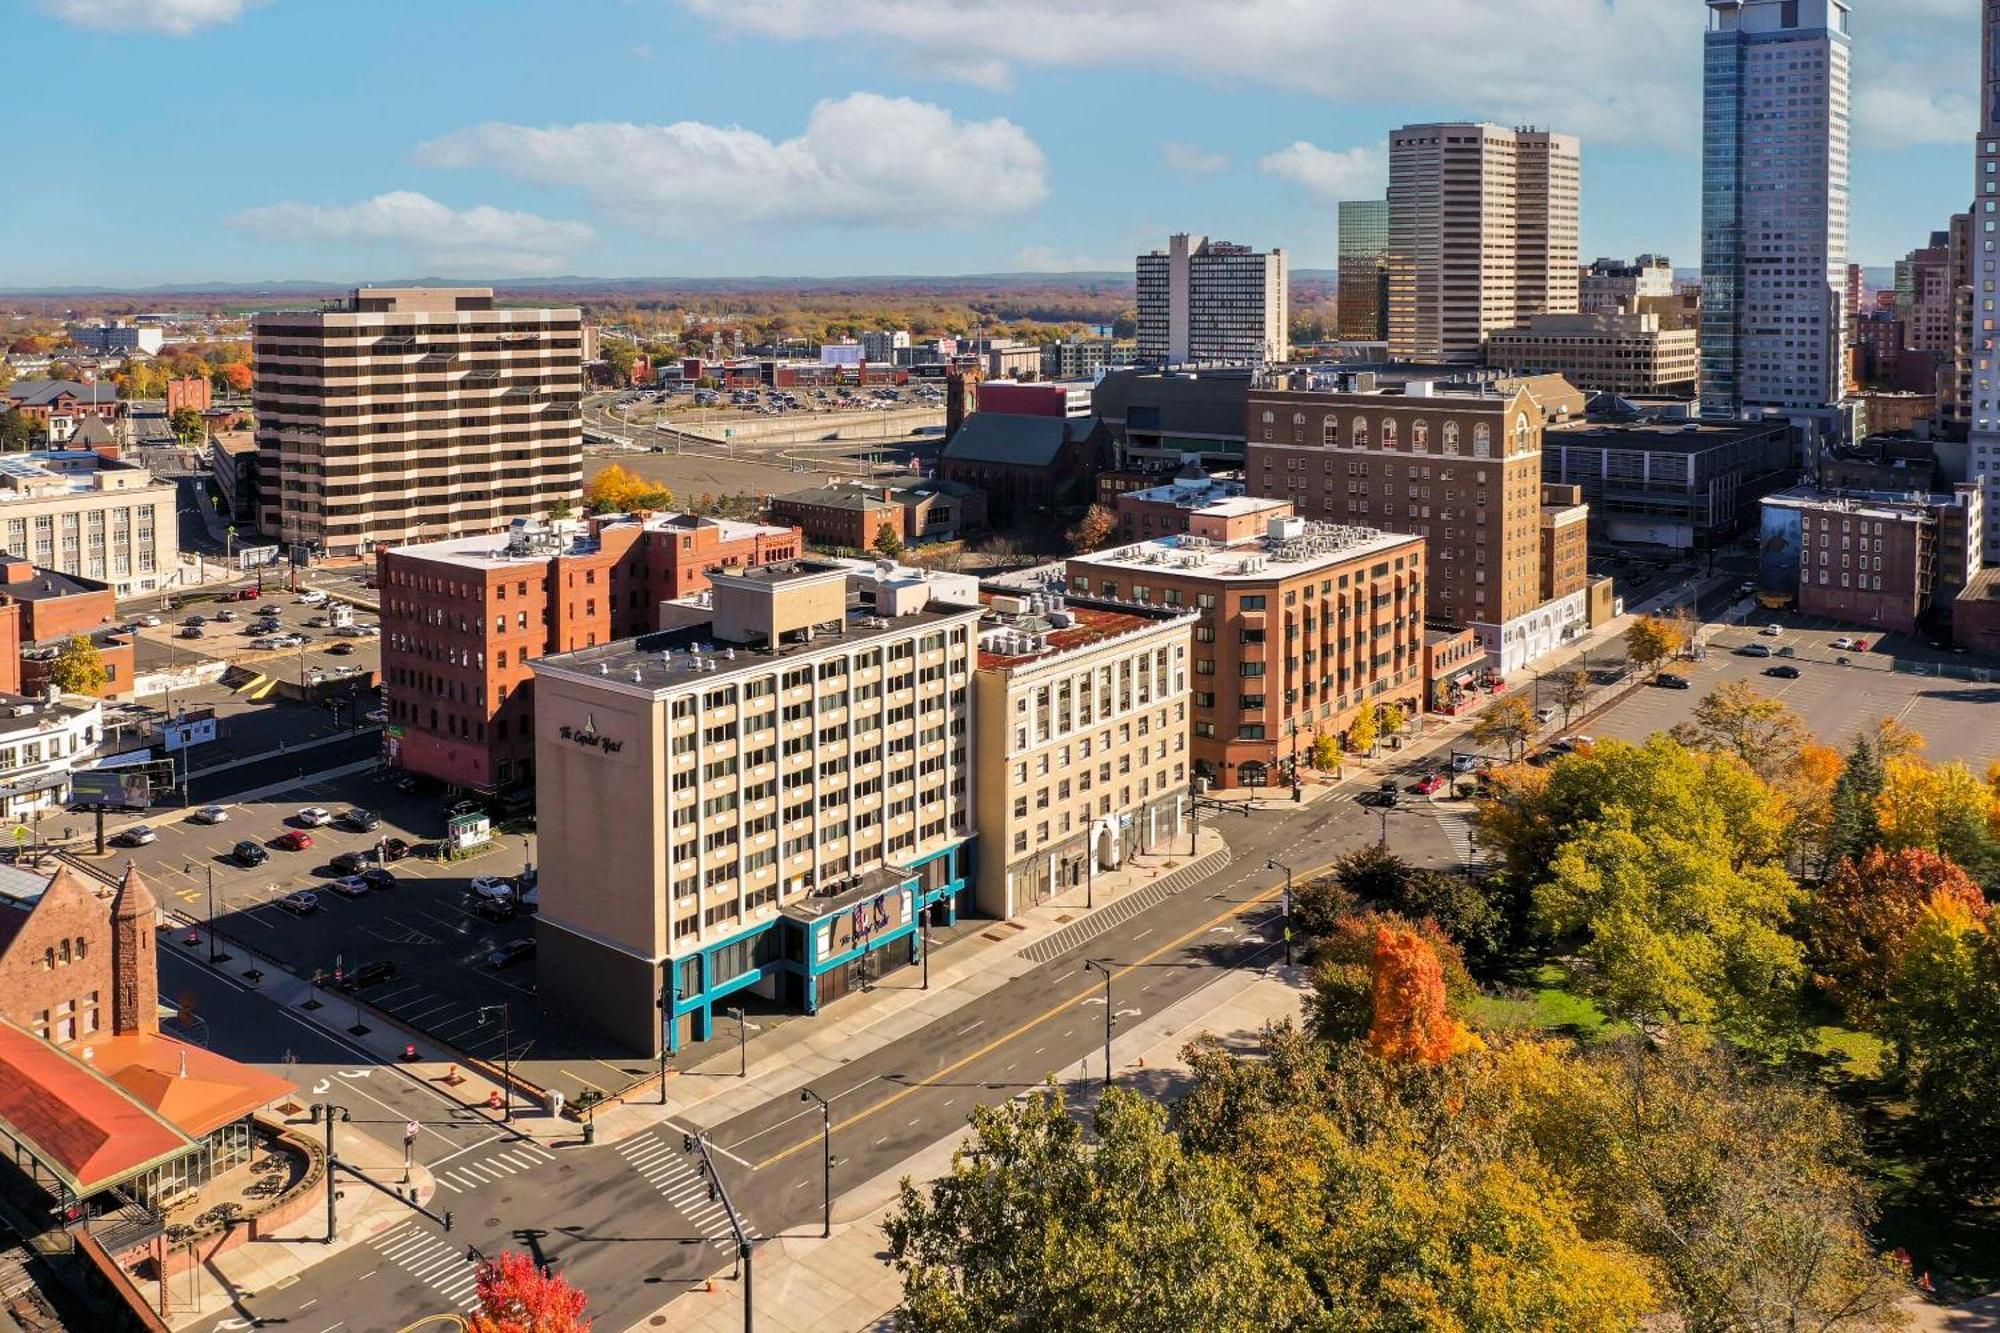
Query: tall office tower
point(1213, 303)
point(1774, 206)
point(1362, 313)
point(1482, 234)
point(1955, 376)
point(406, 414)
point(1983, 239)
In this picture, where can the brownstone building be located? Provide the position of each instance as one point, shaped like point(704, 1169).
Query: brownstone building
point(1878, 560)
point(1028, 465)
point(851, 513)
point(1298, 629)
point(462, 619)
point(1459, 464)
point(193, 391)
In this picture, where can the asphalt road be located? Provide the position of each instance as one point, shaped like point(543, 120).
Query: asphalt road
point(631, 1225)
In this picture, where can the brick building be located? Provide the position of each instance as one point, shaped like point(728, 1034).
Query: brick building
point(1217, 503)
point(61, 406)
point(1028, 465)
point(462, 619)
point(194, 391)
point(851, 513)
point(1298, 628)
point(1874, 559)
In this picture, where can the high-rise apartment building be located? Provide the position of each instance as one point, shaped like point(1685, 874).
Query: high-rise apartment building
point(1362, 309)
point(1983, 241)
point(1206, 302)
point(1458, 464)
point(1774, 206)
point(403, 414)
point(1483, 233)
point(771, 802)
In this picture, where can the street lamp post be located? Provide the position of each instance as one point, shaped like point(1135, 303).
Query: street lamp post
point(924, 925)
point(1110, 1019)
point(742, 1042)
point(506, 1056)
point(1270, 864)
point(826, 1157)
point(326, 1112)
point(669, 1000)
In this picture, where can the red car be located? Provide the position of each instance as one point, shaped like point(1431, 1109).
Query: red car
point(293, 840)
point(1861, 645)
point(1430, 782)
point(248, 595)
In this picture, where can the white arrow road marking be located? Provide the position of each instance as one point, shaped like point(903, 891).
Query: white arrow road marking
point(318, 1088)
point(1095, 999)
point(1135, 1012)
point(356, 1073)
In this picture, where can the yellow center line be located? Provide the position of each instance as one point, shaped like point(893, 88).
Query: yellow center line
point(1274, 892)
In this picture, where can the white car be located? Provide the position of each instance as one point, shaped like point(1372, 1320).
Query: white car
point(311, 597)
point(150, 622)
point(493, 886)
point(212, 814)
point(1841, 643)
point(314, 816)
point(1772, 631)
point(139, 835)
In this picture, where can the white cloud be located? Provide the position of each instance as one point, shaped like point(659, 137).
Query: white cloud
point(1610, 70)
point(864, 158)
point(176, 17)
point(1357, 173)
point(1192, 159)
point(482, 240)
point(1900, 112)
point(1047, 259)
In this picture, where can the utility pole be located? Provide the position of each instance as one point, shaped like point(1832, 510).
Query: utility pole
point(826, 1155)
point(697, 1142)
point(325, 1112)
point(1110, 1018)
point(742, 1042)
point(506, 1056)
point(1270, 864)
point(925, 926)
point(669, 1001)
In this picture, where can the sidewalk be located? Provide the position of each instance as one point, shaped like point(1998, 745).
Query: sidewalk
point(846, 1284)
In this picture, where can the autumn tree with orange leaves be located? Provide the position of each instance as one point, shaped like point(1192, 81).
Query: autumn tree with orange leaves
point(517, 1296)
point(1865, 913)
point(1413, 1023)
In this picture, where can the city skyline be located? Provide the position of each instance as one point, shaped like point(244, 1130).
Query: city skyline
point(629, 147)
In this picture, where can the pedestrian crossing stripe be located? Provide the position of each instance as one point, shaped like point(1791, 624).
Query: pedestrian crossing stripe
point(433, 1261)
point(669, 1171)
point(496, 1166)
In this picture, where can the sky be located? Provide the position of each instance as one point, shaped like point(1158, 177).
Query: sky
point(178, 141)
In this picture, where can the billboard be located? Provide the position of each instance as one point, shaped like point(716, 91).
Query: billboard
point(110, 789)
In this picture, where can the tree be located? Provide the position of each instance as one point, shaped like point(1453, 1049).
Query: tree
point(1509, 722)
point(79, 668)
point(617, 490)
point(1394, 719)
point(238, 377)
point(888, 542)
point(1864, 915)
point(1093, 532)
point(1943, 807)
point(1361, 734)
point(1373, 874)
point(1652, 642)
point(19, 431)
point(1759, 730)
point(1340, 1005)
point(619, 357)
point(1326, 752)
point(1037, 1227)
point(1854, 827)
point(561, 509)
point(1943, 1016)
point(188, 427)
point(1412, 1023)
point(518, 1296)
point(1569, 691)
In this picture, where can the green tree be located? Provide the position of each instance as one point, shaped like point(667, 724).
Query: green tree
point(1569, 691)
point(188, 427)
point(620, 357)
point(1943, 1016)
point(1759, 730)
point(79, 668)
point(1394, 719)
point(1037, 1227)
point(1509, 722)
point(888, 544)
point(19, 431)
point(1853, 825)
point(561, 509)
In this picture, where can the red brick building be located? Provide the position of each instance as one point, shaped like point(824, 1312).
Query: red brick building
point(462, 619)
point(194, 392)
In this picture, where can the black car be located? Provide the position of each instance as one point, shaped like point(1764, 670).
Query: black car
point(379, 878)
point(394, 849)
point(513, 951)
point(494, 909)
point(361, 821)
point(351, 863)
point(368, 974)
point(342, 649)
point(1783, 672)
point(1666, 680)
point(249, 853)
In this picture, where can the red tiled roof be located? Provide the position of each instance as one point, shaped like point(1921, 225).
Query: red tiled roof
point(83, 1126)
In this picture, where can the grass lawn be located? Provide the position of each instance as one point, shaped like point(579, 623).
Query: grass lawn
point(1543, 997)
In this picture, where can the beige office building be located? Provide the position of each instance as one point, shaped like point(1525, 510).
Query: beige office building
point(1483, 234)
point(1603, 353)
point(414, 414)
point(78, 512)
point(1082, 729)
point(771, 802)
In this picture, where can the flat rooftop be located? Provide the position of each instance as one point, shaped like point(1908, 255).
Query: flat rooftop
point(1319, 546)
point(1679, 437)
point(1012, 640)
point(1915, 508)
point(497, 550)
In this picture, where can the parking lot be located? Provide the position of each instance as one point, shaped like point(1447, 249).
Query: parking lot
point(424, 928)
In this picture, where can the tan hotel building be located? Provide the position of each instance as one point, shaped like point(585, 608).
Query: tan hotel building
point(769, 802)
point(1296, 630)
point(1459, 464)
point(1082, 726)
point(411, 414)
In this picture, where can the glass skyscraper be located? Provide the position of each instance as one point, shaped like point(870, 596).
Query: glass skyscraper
point(1363, 308)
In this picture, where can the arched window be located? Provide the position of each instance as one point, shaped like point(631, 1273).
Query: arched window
point(1420, 436)
point(1388, 432)
point(1482, 440)
point(1360, 432)
point(1521, 433)
point(65, 951)
point(1298, 418)
point(1270, 418)
point(1451, 437)
point(1331, 432)
point(49, 959)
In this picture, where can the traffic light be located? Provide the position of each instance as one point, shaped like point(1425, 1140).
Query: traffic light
point(447, 1221)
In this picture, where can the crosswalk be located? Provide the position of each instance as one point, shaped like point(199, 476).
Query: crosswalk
point(498, 1166)
point(673, 1174)
point(1457, 830)
point(434, 1261)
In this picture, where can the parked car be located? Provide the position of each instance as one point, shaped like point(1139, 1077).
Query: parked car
point(1545, 715)
point(211, 814)
point(1754, 650)
point(139, 835)
point(531, 901)
point(1667, 680)
point(493, 909)
point(1772, 631)
point(293, 840)
point(341, 649)
point(248, 595)
point(513, 951)
point(1429, 783)
point(1841, 644)
point(351, 863)
point(349, 886)
point(1861, 645)
point(225, 616)
point(361, 821)
point(300, 903)
point(1786, 650)
point(379, 878)
point(394, 849)
point(1464, 763)
point(193, 632)
point(377, 715)
point(314, 816)
point(150, 622)
point(493, 886)
point(248, 854)
point(373, 974)
point(1783, 672)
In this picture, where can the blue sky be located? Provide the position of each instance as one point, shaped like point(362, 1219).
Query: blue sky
point(188, 140)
